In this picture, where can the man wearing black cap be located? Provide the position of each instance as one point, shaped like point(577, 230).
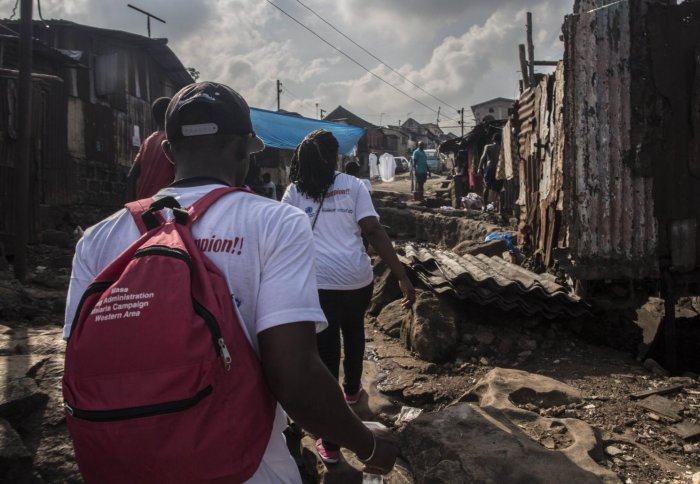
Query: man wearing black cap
point(270, 273)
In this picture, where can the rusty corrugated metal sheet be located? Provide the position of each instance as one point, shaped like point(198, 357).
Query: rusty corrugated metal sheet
point(613, 231)
point(541, 138)
point(492, 281)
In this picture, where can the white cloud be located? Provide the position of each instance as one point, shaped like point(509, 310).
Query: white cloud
point(460, 51)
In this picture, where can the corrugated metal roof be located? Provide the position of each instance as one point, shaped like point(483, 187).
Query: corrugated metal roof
point(492, 280)
point(611, 209)
point(157, 48)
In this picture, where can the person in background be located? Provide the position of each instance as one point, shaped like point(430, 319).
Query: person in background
point(420, 170)
point(269, 189)
point(151, 170)
point(488, 164)
point(340, 210)
point(272, 282)
point(352, 168)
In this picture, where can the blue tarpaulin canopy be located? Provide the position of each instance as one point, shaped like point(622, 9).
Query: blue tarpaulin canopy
point(285, 131)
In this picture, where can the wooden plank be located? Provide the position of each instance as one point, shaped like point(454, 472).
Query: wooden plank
point(686, 430)
point(663, 406)
point(656, 391)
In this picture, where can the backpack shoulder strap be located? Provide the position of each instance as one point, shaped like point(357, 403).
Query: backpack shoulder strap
point(200, 206)
point(137, 208)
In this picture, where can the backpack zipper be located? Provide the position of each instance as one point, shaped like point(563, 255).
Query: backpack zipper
point(219, 344)
point(92, 288)
point(138, 412)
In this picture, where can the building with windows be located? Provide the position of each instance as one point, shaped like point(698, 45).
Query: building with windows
point(496, 109)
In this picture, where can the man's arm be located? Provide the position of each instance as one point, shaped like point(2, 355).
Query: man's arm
point(312, 398)
point(131, 178)
point(377, 237)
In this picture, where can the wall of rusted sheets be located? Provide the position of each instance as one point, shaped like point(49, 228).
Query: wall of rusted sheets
point(612, 228)
point(608, 144)
point(540, 150)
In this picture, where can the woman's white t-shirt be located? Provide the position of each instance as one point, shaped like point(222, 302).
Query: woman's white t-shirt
point(341, 260)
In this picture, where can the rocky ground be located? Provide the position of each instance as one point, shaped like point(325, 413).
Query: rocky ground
point(481, 396)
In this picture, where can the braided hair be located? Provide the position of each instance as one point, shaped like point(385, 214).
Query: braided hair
point(313, 164)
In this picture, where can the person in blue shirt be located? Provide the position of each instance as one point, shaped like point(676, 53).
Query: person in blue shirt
point(420, 169)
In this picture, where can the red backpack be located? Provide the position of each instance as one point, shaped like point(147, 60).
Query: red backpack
point(161, 383)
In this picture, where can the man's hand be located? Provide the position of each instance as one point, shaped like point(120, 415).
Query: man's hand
point(385, 452)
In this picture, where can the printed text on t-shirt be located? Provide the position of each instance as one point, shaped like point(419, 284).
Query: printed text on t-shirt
point(333, 193)
point(215, 244)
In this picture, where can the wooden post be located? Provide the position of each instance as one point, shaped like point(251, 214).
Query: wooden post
point(24, 155)
point(523, 65)
point(530, 51)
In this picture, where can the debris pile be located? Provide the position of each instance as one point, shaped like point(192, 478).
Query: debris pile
point(492, 280)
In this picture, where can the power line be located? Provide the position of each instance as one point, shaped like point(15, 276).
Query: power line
point(14, 10)
point(375, 57)
point(303, 108)
point(355, 61)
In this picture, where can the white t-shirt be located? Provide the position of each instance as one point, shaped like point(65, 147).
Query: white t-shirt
point(341, 260)
point(367, 184)
point(270, 274)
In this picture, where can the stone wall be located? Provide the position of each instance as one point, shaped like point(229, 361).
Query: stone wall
point(428, 226)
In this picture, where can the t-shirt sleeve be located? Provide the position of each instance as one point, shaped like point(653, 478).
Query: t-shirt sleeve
point(288, 291)
point(288, 196)
point(363, 203)
point(81, 276)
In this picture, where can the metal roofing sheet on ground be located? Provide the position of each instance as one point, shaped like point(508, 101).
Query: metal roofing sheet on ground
point(492, 280)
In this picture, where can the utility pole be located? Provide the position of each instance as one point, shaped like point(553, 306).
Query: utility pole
point(530, 51)
point(24, 155)
point(438, 116)
point(317, 111)
point(279, 91)
point(524, 69)
point(461, 122)
point(148, 15)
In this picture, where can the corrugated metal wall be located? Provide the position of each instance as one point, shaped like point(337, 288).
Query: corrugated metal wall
point(613, 231)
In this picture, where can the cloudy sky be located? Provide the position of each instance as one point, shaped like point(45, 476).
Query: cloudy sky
point(462, 52)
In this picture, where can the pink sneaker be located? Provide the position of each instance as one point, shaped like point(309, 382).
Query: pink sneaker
point(353, 398)
point(327, 456)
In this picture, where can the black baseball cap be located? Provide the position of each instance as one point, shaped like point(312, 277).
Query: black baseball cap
point(228, 111)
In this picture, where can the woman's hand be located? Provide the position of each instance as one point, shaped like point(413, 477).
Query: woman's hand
point(408, 291)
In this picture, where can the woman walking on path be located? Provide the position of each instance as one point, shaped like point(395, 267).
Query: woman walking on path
point(340, 211)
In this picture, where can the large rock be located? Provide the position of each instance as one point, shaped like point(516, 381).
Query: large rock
point(518, 398)
point(467, 444)
point(19, 399)
point(392, 317)
point(15, 459)
point(386, 289)
point(431, 329)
